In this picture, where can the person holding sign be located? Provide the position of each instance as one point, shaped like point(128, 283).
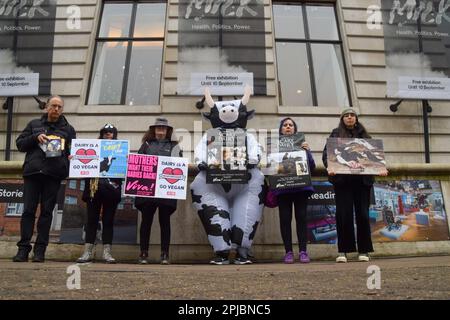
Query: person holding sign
point(294, 196)
point(157, 141)
point(101, 195)
point(46, 142)
point(352, 193)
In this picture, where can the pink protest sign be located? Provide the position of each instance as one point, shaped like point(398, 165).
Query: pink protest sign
point(141, 175)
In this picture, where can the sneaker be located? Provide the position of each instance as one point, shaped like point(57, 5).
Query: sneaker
point(241, 260)
point(107, 254)
point(303, 257)
point(143, 258)
point(289, 257)
point(342, 258)
point(219, 260)
point(364, 257)
point(164, 258)
point(21, 256)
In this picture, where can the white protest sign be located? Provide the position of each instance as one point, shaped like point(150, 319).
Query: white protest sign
point(85, 162)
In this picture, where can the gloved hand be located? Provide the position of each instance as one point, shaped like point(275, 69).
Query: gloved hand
point(202, 166)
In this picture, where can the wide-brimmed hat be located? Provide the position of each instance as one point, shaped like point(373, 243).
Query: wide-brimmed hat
point(161, 122)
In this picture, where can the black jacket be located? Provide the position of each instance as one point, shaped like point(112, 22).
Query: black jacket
point(35, 159)
point(340, 179)
point(108, 188)
point(165, 148)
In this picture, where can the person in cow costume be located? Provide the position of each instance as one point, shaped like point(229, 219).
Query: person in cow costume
point(229, 212)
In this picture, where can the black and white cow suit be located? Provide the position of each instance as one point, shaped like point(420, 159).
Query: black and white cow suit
point(230, 213)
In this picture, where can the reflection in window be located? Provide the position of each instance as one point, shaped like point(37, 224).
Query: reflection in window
point(72, 184)
point(322, 23)
point(145, 73)
point(128, 54)
point(310, 64)
point(116, 20)
point(70, 200)
point(288, 22)
point(14, 209)
point(329, 75)
point(107, 77)
point(298, 90)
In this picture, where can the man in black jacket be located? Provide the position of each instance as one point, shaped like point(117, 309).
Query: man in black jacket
point(46, 142)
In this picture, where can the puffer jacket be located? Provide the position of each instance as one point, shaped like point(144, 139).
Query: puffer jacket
point(346, 179)
point(35, 160)
point(165, 148)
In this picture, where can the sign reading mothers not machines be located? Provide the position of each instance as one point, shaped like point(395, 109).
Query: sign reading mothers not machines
point(27, 30)
point(417, 41)
point(156, 176)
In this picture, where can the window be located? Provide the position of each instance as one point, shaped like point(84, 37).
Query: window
point(82, 185)
point(14, 209)
point(72, 184)
point(71, 200)
point(128, 54)
point(310, 63)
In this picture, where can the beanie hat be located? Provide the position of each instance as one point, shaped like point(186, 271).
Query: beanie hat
point(347, 111)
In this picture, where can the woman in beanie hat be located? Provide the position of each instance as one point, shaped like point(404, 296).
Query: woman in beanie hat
point(352, 193)
point(101, 195)
point(157, 141)
point(297, 197)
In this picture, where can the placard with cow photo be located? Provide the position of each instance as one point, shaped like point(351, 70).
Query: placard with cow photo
point(227, 156)
point(287, 163)
point(156, 176)
point(356, 156)
point(98, 158)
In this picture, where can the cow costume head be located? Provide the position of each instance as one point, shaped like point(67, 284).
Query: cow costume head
point(229, 114)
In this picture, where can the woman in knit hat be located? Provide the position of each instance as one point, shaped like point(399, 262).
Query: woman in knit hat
point(352, 193)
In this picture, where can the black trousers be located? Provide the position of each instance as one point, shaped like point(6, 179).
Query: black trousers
point(164, 224)
point(94, 207)
point(38, 189)
point(285, 203)
point(351, 197)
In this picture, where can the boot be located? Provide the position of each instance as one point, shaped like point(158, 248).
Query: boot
point(107, 254)
point(39, 254)
point(21, 256)
point(88, 254)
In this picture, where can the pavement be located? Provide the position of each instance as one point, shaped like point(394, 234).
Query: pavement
point(416, 278)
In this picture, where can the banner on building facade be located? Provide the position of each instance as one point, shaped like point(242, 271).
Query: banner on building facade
point(356, 156)
point(416, 41)
point(227, 156)
point(98, 158)
point(156, 176)
point(27, 32)
point(221, 43)
point(287, 164)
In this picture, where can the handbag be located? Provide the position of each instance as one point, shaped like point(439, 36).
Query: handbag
point(271, 200)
